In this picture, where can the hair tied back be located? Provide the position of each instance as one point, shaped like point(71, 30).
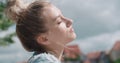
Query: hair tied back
point(14, 9)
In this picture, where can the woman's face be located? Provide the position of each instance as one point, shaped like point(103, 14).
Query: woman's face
point(60, 27)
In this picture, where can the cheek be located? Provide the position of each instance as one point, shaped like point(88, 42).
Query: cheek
point(62, 30)
point(58, 33)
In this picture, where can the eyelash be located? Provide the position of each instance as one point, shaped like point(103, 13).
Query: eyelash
point(59, 22)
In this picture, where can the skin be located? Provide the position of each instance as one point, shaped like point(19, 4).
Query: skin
point(60, 31)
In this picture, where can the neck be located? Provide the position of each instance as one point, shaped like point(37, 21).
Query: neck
point(57, 51)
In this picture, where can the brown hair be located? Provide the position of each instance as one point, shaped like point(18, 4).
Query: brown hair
point(29, 22)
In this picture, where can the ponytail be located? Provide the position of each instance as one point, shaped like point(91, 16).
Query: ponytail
point(14, 9)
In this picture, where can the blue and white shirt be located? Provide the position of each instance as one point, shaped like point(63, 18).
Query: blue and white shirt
point(43, 58)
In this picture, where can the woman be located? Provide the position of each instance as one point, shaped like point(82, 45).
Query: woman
point(42, 29)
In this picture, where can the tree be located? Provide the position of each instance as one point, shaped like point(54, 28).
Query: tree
point(117, 61)
point(5, 23)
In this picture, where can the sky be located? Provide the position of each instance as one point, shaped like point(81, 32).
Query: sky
point(96, 23)
point(92, 17)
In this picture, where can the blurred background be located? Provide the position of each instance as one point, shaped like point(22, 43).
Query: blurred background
point(96, 23)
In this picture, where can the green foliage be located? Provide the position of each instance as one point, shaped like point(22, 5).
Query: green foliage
point(117, 61)
point(7, 39)
point(2, 6)
point(72, 59)
point(5, 23)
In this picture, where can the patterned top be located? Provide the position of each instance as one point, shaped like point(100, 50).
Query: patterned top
point(43, 58)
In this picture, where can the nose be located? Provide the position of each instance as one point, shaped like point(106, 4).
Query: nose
point(68, 22)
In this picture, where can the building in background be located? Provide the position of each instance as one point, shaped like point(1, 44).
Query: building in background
point(115, 52)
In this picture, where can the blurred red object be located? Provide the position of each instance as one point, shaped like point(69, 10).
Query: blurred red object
point(93, 55)
point(72, 51)
point(116, 46)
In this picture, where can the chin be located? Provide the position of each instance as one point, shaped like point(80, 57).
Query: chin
point(71, 38)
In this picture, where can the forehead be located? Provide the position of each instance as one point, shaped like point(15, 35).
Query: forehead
point(51, 12)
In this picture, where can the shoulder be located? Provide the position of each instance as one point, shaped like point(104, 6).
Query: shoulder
point(43, 58)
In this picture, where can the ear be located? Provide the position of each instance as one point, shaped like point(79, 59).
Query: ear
point(42, 40)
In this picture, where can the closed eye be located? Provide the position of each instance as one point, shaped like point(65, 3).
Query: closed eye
point(59, 22)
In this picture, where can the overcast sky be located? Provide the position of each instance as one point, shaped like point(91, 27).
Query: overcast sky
point(96, 22)
point(92, 17)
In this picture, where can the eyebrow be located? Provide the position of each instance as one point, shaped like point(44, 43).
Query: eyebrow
point(57, 17)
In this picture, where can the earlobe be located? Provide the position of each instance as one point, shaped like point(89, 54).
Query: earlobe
point(42, 40)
